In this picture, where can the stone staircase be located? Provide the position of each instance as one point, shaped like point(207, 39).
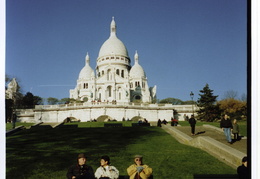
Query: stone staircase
point(224, 153)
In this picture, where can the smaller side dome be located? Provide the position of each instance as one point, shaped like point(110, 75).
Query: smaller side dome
point(137, 71)
point(86, 72)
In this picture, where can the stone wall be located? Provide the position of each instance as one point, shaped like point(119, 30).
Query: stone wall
point(89, 111)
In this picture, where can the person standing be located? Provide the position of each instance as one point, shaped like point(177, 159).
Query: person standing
point(226, 126)
point(235, 130)
point(192, 122)
point(138, 169)
point(14, 118)
point(159, 123)
point(242, 170)
point(106, 171)
point(80, 170)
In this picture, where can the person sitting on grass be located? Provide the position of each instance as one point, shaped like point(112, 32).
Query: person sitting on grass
point(138, 169)
point(80, 170)
point(105, 171)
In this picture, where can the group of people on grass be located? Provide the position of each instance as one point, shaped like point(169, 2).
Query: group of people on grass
point(80, 170)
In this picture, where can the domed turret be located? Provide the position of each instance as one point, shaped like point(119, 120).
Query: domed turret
point(113, 46)
point(87, 72)
point(137, 71)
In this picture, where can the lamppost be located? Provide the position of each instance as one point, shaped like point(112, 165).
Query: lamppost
point(192, 95)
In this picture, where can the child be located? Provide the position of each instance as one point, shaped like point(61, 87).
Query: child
point(235, 130)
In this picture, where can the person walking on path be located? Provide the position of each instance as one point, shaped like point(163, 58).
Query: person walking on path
point(235, 130)
point(106, 171)
point(226, 126)
point(192, 122)
point(138, 169)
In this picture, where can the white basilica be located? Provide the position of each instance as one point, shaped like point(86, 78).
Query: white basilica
point(115, 79)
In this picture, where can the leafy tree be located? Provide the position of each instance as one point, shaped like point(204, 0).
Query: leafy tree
point(65, 101)
point(52, 100)
point(208, 110)
point(189, 102)
point(29, 100)
point(173, 101)
point(234, 108)
point(37, 100)
point(8, 109)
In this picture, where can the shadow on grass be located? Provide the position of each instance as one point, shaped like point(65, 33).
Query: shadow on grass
point(45, 150)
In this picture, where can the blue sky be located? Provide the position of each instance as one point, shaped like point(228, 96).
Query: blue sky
point(182, 44)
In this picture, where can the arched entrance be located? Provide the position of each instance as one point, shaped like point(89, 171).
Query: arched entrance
point(104, 118)
point(137, 118)
point(71, 119)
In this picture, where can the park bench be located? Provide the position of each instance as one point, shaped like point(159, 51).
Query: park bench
point(216, 176)
point(74, 126)
point(61, 125)
point(113, 124)
point(140, 124)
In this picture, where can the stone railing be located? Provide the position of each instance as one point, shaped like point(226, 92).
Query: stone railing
point(179, 108)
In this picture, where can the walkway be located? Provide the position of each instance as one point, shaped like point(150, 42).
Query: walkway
point(212, 140)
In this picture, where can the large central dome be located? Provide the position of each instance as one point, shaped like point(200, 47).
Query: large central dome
point(113, 46)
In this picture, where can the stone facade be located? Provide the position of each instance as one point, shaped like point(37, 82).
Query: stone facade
point(102, 112)
point(114, 79)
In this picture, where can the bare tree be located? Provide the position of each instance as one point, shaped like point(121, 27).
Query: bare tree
point(244, 97)
point(231, 94)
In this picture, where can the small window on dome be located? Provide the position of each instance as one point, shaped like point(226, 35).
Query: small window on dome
point(112, 57)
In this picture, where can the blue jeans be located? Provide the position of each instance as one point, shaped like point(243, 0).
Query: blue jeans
point(227, 132)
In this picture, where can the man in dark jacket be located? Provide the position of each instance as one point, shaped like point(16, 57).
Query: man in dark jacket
point(192, 122)
point(226, 126)
point(242, 170)
point(80, 170)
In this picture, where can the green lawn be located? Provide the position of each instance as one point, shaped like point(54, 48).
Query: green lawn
point(98, 124)
point(9, 126)
point(47, 153)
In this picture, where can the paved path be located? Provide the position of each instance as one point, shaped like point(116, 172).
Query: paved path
point(212, 140)
point(204, 131)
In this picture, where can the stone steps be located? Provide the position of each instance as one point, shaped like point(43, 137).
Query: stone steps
point(224, 153)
